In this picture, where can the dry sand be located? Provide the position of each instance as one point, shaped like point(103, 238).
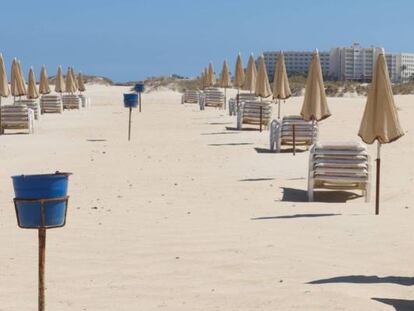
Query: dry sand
point(192, 216)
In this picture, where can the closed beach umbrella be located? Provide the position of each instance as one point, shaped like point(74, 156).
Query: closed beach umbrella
point(211, 79)
point(315, 106)
point(225, 80)
point(72, 72)
point(70, 86)
point(22, 82)
point(380, 121)
point(60, 82)
point(32, 92)
point(201, 80)
point(251, 75)
point(281, 89)
point(238, 73)
point(15, 81)
point(81, 84)
point(4, 85)
point(263, 88)
point(44, 82)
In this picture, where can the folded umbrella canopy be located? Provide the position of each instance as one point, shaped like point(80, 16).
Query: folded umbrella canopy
point(251, 75)
point(281, 89)
point(262, 88)
point(315, 105)
point(81, 84)
point(380, 121)
point(60, 82)
point(70, 85)
point(44, 82)
point(16, 86)
point(21, 81)
point(225, 81)
point(32, 92)
point(211, 79)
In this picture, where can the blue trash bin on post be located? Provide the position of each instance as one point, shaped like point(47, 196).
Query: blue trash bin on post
point(130, 101)
point(139, 88)
point(41, 203)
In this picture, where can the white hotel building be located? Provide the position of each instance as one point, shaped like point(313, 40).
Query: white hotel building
point(346, 63)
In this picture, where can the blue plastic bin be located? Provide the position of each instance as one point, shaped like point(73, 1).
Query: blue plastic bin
point(131, 100)
point(139, 87)
point(30, 189)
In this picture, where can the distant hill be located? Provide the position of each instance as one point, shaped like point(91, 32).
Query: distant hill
point(89, 79)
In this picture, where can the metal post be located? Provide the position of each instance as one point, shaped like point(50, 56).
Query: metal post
point(278, 110)
point(42, 257)
point(377, 190)
point(238, 103)
point(261, 116)
point(294, 139)
point(140, 103)
point(129, 124)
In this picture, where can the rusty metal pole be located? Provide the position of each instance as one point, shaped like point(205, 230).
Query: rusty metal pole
point(377, 190)
point(261, 117)
point(294, 139)
point(129, 124)
point(42, 257)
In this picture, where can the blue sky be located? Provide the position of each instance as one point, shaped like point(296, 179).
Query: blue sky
point(130, 40)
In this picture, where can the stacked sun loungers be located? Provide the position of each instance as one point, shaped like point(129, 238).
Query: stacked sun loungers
point(254, 113)
point(86, 101)
point(339, 167)
point(71, 101)
point(51, 104)
point(190, 96)
point(17, 117)
point(281, 132)
point(213, 97)
point(243, 97)
point(31, 104)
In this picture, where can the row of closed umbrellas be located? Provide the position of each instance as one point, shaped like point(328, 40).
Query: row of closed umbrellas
point(18, 87)
point(380, 121)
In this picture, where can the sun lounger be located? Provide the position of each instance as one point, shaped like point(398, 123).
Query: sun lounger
point(190, 96)
point(242, 98)
point(17, 117)
point(281, 132)
point(31, 104)
point(254, 113)
point(214, 97)
point(51, 104)
point(71, 101)
point(339, 167)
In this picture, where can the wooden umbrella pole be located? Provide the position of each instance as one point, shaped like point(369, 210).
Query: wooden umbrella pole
point(42, 257)
point(278, 110)
point(377, 190)
point(294, 139)
point(129, 124)
point(261, 114)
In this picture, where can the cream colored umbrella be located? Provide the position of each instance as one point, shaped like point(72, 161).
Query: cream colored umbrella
point(262, 89)
point(72, 72)
point(32, 92)
point(44, 82)
point(225, 81)
point(251, 76)
point(281, 89)
point(315, 106)
point(4, 86)
point(70, 86)
point(15, 81)
point(22, 82)
point(211, 79)
point(380, 121)
point(238, 76)
point(60, 81)
point(81, 83)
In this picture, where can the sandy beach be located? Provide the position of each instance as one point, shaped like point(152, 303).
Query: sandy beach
point(192, 214)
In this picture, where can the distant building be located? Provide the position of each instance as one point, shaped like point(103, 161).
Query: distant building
point(297, 62)
point(353, 63)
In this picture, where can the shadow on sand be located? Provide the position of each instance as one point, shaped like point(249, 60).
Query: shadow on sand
point(398, 304)
point(230, 144)
point(96, 140)
point(295, 216)
point(299, 195)
point(219, 123)
point(219, 133)
point(365, 279)
point(256, 179)
point(249, 129)
point(265, 150)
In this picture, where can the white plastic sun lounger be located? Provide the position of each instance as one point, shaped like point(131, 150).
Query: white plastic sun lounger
point(71, 101)
point(51, 104)
point(339, 167)
point(190, 96)
point(17, 117)
point(213, 97)
point(254, 113)
point(31, 104)
point(243, 97)
point(281, 132)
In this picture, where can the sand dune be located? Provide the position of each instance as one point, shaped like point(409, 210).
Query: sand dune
point(190, 215)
